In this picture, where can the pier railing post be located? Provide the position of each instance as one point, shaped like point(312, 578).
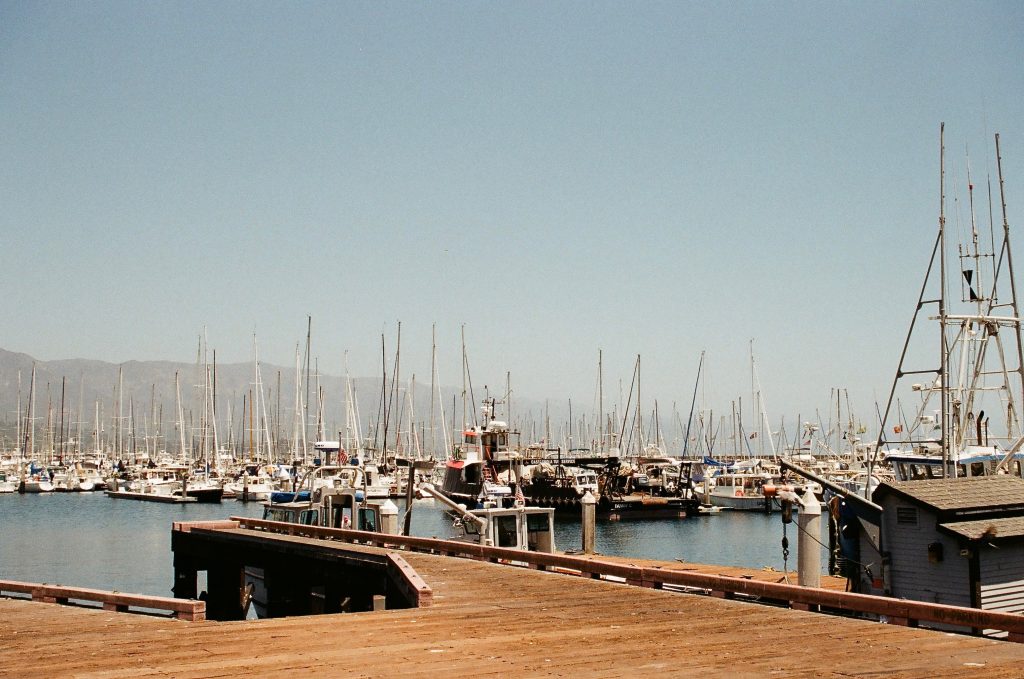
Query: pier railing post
point(589, 523)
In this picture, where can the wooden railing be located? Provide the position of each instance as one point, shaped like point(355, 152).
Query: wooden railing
point(894, 611)
point(183, 609)
point(413, 588)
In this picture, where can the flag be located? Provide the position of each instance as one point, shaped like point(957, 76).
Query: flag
point(520, 499)
point(897, 429)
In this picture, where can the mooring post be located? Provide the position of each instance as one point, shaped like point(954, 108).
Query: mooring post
point(389, 517)
point(589, 523)
point(808, 546)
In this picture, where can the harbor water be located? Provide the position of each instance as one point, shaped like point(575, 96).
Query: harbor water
point(91, 540)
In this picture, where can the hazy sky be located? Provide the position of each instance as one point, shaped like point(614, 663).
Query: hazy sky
point(557, 177)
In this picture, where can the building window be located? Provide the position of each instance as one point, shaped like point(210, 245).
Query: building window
point(906, 516)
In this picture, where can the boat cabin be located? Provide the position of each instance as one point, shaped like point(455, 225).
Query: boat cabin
point(526, 528)
point(335, 508)
point(974, 461)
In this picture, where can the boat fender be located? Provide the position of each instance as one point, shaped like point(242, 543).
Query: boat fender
point(739, 492)
point(834, 506)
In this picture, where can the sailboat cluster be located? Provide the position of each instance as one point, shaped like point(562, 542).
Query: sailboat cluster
point(960, 419)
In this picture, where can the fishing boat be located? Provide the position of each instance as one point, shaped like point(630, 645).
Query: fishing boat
point(485, 469)
point(966, 420)
point(627, 492)
point(741, 487)
point(557, 485)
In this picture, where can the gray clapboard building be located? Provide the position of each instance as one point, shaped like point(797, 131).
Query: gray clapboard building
point(950, 541)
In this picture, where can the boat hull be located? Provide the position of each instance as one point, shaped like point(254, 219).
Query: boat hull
point(744, 503)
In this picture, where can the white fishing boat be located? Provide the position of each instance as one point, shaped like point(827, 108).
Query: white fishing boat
point(741, 487)
point(966, 420)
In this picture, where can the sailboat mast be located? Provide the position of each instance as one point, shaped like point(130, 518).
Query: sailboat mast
point(61, 437)
point(693, 403)
point(30, 426)
point(1009, 265)
point(181, 416)
point(433, 386)
point(600, 401)
point(943, 367)
point(305, 405)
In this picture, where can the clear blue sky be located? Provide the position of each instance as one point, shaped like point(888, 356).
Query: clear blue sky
point(561, 177)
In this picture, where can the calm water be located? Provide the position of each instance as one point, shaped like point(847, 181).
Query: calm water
point(90, 540)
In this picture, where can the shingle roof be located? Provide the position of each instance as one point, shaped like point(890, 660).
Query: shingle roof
point(988, 529)
point(979, 493)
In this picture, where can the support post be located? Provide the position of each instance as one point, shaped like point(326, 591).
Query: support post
point(589, 523)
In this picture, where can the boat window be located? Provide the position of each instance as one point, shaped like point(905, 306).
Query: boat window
point(977, 469)
point(1016, 468)
point(367, 519)
point(901, 467)
point(276, 514)
point(307, 517)
point(961, 471)
point(917, 472)
point(507, 536)
point(536, 522)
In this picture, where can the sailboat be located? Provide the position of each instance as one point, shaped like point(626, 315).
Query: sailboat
point(966, 421)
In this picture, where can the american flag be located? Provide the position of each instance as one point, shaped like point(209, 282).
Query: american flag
point(520, 499)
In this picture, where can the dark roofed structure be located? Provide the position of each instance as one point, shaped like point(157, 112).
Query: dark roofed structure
point(960, 497)
point(951, 541)
point(990, 530)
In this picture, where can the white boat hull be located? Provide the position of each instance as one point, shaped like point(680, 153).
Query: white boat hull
point(38, 486)
point(747, 503)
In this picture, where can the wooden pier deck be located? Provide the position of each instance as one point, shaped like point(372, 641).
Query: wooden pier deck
point(491, 620)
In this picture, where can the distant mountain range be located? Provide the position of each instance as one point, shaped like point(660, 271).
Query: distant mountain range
point(149, 391)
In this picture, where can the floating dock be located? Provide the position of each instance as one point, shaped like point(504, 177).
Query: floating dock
point(149, 497)
point(487, 619)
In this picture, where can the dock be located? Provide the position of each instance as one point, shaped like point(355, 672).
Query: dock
point(149, 497)
point(486, 619)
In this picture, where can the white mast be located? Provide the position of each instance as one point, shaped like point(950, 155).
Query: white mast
point(181, 417)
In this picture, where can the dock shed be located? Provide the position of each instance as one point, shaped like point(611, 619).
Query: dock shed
point(950, 541)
